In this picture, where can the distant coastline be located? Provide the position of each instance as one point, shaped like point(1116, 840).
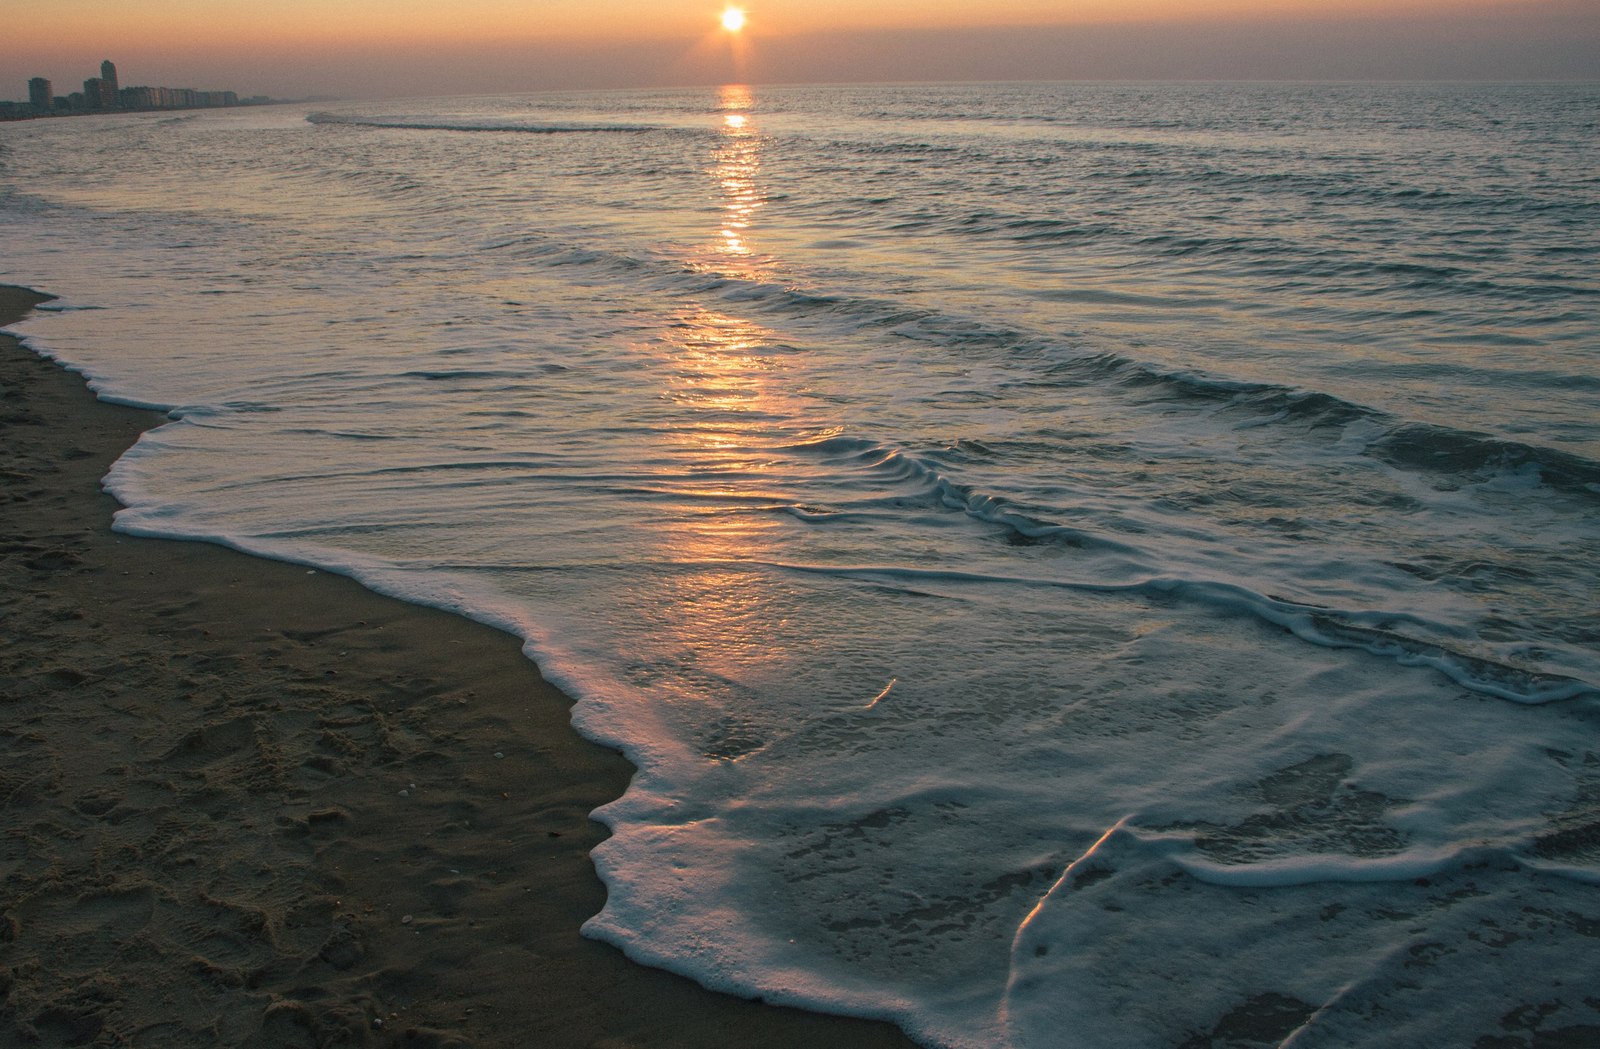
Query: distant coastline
point(104, 94)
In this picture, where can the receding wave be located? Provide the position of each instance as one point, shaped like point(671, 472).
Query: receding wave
point(1374, 632)
point(938, 491)
point(1416, 446)
point(1471, 455)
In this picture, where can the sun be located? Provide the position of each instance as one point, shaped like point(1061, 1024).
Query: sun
point(733, 19)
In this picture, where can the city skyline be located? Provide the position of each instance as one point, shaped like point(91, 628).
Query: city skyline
point(104, 94)
point(288, 49)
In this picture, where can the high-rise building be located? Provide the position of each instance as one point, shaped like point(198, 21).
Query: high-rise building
point(108, 80)
point(39, 96)
point(91, 93)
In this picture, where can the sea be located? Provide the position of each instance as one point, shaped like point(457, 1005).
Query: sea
point(1075, 565)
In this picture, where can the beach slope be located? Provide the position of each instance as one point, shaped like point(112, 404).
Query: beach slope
point(247, 804)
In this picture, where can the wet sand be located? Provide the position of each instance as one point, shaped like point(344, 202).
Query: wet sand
point(244, 804)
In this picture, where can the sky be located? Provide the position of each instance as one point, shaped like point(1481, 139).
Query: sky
point(408, 48)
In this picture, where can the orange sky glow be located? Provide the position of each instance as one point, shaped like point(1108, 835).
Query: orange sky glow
point(183, 23)
point(312, 46)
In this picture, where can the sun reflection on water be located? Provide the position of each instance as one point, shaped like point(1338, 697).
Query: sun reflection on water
point(726, 491)
point(731, 422)
point(734, 419)
point(736, 168)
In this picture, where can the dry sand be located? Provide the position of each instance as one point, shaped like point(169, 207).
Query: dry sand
point(244, 804)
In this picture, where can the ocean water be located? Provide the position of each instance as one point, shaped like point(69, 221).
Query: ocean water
point(1074, 565)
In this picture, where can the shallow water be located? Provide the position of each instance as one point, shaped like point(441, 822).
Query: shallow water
point(1074, 564)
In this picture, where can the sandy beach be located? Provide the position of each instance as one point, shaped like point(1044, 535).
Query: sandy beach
point(249, 804)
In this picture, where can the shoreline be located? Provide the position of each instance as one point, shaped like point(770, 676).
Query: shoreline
point(248, 803)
